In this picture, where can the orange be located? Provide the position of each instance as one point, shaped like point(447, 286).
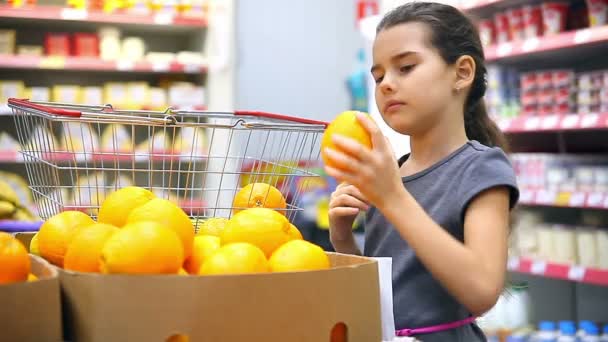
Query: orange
point(212, 226)
point(34, 249)
point(14, 260)
point(294, 233)
point(84, 251)
point(204, 247)
point(236, 258)
point(262, 227)
point(118, 205)
point(168, 214)
point(259, 195)
point(57, 232)
point(31, 277)
point(345, 124)
point(143, 248)
point(182, 271)
point(298, 255)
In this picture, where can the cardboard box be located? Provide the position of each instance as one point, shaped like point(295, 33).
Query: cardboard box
point(31, 311)
point(298, 306)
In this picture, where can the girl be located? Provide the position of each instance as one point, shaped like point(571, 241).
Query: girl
point(442, 211)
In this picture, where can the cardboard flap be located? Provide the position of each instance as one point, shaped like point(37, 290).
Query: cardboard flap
point(295, 306)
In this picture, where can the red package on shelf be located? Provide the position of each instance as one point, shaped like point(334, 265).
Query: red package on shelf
point(528, 81)
point(564, 95)
point(563, 108)
point(516, 23)
point(487, 32)
point(530, 110)
point(86, 45)
point(555, 14)
point(529, 98)
point(546, 109)
point(546, 97)
point(544, 79)
point(533, 21)
point(501, 24)
point(598, 12)
point(57, 44)
point(563, 78)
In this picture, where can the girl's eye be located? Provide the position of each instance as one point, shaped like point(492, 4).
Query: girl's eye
point(407, 68)
point(378, 79)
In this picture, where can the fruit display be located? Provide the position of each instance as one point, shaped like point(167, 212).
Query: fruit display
point(138, 233)
point(14, 261)
point(11, 205)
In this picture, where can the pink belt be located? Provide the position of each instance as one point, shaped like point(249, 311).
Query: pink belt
point(435, 328)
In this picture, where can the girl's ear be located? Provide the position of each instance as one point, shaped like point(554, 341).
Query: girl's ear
point(465, 72)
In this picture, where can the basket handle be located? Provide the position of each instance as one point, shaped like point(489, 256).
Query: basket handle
point(56, 111)
point(279, 117)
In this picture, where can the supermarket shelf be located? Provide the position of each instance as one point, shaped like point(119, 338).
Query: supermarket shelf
point(94, 64)
point(566, 40)
point(566, 199)
point(545, 269)
point(57, 13)
point(108, 157)
point(554, 123)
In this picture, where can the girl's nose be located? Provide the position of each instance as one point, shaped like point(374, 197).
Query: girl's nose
point(386, 85)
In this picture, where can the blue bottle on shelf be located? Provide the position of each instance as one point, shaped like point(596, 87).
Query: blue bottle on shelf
point(567, 332)
point(546, 332)
point(592, 333)
point(604, 337)
point(357, 85)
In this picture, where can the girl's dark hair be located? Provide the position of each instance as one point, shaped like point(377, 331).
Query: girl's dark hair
point(454, 35)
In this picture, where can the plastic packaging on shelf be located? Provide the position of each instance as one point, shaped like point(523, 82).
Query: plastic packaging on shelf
point(516, 23)
point(57, 44)
point(547, 332)
point(66, 93)
point(501, 23)
point(109, 43)
point(587, 247)
point(92, 95)
point(555, 14)
point(133, 49)
point(86, 45)
point(30, 50)
point(533, 21)
point(10, 89)
point(598, 12)
point(7, 41)
point(487, 32)
point(564, 244)
point(116, 139)
point(79, 140)
point(602, 248)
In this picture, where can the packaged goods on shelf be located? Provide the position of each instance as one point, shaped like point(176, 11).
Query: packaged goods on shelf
point(38, 136)
point(191, 141)
point(7, 42)
point(138, 95)
point(79, 139)
point(186, 94)
point(160, 57)
point(158, 98)
point(109, 43)
point(598, 12)
point(11, 89)
point(116, 138)
point(190, 58)
point(157, 143)
point(92, 95)
point(120, 182)
point(86, 45)
point(502, 95)
point(115, 93)
point(30, 50)
point(132, 49)
point(38, 94)
point(57, 44)
point(66, 93)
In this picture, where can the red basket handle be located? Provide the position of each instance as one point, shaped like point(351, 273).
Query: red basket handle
point(280, 117)
point(46, 109)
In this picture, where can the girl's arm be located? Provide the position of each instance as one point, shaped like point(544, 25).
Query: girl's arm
point(473, 271)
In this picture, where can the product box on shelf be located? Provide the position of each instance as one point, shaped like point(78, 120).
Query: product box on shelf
point(31, 311)
point(298, 306)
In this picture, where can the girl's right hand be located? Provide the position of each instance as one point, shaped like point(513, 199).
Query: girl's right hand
point(344, 205)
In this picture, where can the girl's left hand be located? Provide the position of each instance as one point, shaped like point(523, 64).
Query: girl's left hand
point(374, 172)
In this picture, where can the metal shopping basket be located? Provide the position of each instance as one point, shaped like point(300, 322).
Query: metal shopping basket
point(74, 155)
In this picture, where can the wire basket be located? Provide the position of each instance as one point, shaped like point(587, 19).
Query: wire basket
point(75, 155)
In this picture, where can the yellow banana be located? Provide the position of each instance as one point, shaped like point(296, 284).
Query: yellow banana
point(6, 209)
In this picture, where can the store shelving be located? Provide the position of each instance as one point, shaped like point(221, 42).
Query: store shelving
point(546, 269)
point(95, 64)
point(59, 13)
point(554, 123)
point(558, 42)
point(567, 199)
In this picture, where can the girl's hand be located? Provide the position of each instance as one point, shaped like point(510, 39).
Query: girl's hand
point(374, 172)
point(344, 205)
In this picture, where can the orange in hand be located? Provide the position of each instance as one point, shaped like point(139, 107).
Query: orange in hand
point(345, 124)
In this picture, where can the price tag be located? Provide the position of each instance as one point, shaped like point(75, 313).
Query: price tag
point(545, 197)
point(192, 68)
point(589, 120)
point(530, 45)
point(532, 123)
point(576, 273)
point(550, 122)
point(163, 19)
point(582, 36)
point(563, 198)
point(595, 199)
point(513, 263)
point(160, 67)
point(52, 62)
point(538, 267)
point(527, 196)
point(74, 14)
point(125, 65)
point(577, 199)
point(504, 49)
point(570, 121)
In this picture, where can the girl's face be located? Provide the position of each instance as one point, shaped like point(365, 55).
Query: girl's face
point(414, 86)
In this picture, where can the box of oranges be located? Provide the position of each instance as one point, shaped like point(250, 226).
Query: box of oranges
point(142, 271)
point(29, 293)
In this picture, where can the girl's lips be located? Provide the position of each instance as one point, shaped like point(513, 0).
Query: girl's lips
point(392, 106)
